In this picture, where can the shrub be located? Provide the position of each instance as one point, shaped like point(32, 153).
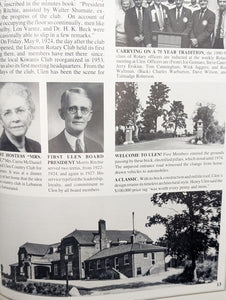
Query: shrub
point(4, 282)
point(21, 278)
point(185, 276)
point(206, 271)
point(119, 137)
point(108, 274)
point(38, 288)
point(148, 136)
point(29, 288)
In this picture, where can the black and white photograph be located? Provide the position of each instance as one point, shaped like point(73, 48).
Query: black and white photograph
point(167, 115)
point(75, 117)
point(157, 243)
point(198, 24)
point(19, 117)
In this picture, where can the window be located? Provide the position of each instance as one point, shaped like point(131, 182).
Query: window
point(21, 270)
point(116, 263)
point(153, 258)
point(90, 265)
point(55, 270)
point(107, 263)
point(139, 271)
point(70, 270)
point(145, 255)
point(126, 259)
point(98, 264)
point(69, 249)
point(22, 256)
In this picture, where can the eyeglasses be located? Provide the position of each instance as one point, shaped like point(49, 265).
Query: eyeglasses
point(74, 110)
point(20, 111)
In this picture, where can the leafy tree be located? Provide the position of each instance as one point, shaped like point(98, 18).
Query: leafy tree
point(215, 133)
point(127, 106)
point(156, 100)
point(127, 103)
point(176, 116)
point(206, 114)
point(195, 228)
point(166, 124)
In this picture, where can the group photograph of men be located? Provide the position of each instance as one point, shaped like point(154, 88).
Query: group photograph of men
point(171, 23)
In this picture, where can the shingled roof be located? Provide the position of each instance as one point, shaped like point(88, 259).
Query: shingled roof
point(128, 248)
point(86, 237)
point(36, 249)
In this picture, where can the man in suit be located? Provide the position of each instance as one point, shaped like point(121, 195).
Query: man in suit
point(76, 111)
point(134, 24)
point(121, 39)
point(223, 30)
point(17, 111)
point(203, 22)
point(158, 14)
point(219, 25)
point(179, 19)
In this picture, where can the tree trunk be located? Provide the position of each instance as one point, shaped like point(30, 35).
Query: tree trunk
point(155, 125)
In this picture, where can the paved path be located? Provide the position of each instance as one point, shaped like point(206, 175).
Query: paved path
point(153, 279)
point(165, 144)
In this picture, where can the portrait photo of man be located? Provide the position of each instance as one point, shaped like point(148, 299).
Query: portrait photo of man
point(80, 112)
point(17, 112)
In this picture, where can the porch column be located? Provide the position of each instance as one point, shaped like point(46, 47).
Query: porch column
point(32, 269)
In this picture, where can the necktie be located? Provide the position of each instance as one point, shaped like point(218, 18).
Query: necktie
point(178, 14)
point(78, 146)
point(201, 14)
point(140, 21)
point(219, 24)
point(160, 18)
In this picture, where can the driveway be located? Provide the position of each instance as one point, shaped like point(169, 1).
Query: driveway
point(165, 144)
point(100, 287)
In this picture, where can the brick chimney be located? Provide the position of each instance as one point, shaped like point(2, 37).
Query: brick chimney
point(102, 233)
point(133, 239)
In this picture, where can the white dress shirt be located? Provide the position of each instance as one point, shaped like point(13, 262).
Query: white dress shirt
point(72, 140)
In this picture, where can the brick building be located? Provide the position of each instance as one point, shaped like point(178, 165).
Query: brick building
point(123, 251)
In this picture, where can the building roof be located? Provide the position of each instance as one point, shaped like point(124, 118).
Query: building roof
point(36, 249)
point(14, 265)
point(86, 237)
point(55, 245)
point(52, 257)
point(127, 248)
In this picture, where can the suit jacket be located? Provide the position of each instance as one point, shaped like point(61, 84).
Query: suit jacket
point(223, 30)
point(203, 29)
point(132, 27)
point(217, 39)
point(183, 25)
point(154, 17)
point(59, 144)
point(7, 145)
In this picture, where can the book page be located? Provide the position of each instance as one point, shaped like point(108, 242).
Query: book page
point(112, 149)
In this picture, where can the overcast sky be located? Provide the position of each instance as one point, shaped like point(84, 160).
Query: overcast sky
point(47, 220)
